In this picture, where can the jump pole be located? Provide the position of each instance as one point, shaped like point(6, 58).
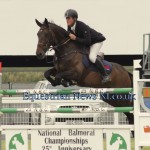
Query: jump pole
point(66, 110)
point(67, 91)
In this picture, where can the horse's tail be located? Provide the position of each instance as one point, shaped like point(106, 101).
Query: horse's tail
point(131, 78)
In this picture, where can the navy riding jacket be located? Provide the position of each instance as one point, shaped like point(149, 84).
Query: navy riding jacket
point(86, 35)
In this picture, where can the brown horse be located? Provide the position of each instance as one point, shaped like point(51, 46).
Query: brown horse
point(68, 66)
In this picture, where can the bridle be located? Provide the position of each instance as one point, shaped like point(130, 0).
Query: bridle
point(49, 47)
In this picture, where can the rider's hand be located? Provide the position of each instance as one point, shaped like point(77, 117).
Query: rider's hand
point(72, 36)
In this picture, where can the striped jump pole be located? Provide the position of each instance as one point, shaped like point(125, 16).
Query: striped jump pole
point(66, 110)
point(67, 91)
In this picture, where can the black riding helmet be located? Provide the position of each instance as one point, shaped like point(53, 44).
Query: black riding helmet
point(71, 13)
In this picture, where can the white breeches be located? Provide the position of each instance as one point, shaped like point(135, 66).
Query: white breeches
point(94, 50)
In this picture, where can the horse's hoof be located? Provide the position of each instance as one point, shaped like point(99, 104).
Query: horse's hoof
point(65, 83)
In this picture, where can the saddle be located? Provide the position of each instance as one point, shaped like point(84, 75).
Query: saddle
point(89, 65)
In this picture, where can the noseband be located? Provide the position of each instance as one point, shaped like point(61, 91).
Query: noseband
point(48, 46)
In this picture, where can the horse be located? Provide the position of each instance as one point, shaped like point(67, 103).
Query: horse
point(69, 66)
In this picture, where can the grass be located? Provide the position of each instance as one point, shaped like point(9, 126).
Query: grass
point(28, 74)
point(22, 75)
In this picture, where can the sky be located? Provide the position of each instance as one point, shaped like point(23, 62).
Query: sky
point(122, 22)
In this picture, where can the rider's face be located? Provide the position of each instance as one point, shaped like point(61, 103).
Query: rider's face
point(70, 21)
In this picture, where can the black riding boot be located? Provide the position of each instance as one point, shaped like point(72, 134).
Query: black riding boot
point(99, 64)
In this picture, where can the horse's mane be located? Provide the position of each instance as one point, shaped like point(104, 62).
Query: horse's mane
point(57, 27)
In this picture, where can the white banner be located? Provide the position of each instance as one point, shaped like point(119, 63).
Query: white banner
point(72, 139)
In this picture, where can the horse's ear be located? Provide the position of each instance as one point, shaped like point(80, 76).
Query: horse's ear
point(46, 22)
point(38, 23)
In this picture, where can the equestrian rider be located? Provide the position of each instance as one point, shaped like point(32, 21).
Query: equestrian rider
point(83, 34)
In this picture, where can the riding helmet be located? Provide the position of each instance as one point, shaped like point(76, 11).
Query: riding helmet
point(71, 13)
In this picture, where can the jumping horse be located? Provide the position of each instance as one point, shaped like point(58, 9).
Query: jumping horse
point(69, 66)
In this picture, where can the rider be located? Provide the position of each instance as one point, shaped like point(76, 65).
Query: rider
point(83, 34)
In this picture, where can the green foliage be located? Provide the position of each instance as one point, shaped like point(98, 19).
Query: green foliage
point(22, 77)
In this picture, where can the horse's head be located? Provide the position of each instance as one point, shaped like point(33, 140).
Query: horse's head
point(49, 35)
point(45, 39)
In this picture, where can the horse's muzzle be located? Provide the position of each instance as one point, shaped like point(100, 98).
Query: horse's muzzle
point(40, 55)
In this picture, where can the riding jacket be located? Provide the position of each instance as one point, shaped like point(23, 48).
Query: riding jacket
point(86, 35)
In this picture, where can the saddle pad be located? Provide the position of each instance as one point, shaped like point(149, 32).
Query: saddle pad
point(88, 64)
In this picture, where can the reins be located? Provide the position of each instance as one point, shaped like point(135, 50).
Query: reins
point(55, 47)
point(50, 48)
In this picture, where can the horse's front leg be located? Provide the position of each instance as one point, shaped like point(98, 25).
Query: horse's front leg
point(66, 77)
point(50, 76)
